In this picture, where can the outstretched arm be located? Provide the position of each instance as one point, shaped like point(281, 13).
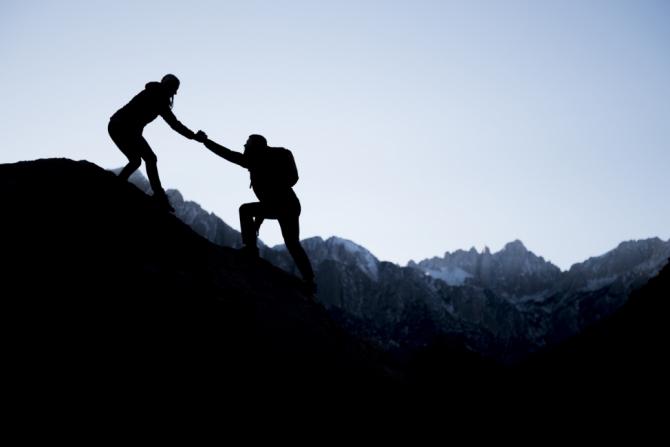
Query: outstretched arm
point(223, 152)
point(176, 125)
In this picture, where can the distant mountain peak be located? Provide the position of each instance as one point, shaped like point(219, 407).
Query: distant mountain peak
point(310, 241)
point(636, 244)
point(515, 246)
point(347, 244)
point(332, 249)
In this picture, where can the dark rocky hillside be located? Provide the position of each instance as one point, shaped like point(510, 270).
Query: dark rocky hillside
point(105, 295)
point(109, 300)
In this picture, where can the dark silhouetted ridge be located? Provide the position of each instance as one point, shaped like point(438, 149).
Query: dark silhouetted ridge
point(619, 358)
point(109, 297)
point(110, 300)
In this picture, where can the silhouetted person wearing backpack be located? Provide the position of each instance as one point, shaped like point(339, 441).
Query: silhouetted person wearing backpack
point(126, 126)
point(273, 174)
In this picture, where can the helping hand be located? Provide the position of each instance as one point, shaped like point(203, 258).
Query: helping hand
point(200, 136)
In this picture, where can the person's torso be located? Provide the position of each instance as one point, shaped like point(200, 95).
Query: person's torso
point(144, 107)
point(268, 178)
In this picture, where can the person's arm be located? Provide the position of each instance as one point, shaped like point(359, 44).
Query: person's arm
point(234, 157)
point(176, 125)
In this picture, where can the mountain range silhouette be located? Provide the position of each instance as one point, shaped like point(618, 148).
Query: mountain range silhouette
point(109, 296)
point(505, 305)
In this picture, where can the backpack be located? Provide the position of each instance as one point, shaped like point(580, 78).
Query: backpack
point(284, 166)
point(276, 169)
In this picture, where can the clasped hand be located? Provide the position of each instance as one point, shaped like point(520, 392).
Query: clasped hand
point(200, 136)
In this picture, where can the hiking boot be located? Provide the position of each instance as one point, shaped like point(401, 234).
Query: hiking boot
point(163, 202)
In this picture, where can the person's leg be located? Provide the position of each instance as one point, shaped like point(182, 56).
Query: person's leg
point(248, 212)
point(290, 230)
point(125, 144)
point(133, 164)
point(151, 162)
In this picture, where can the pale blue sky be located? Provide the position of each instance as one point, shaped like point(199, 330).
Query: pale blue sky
point(418, 126)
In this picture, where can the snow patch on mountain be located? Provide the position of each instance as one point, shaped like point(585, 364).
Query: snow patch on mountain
point(599, 283)
point(453, 276)
point(370, 264)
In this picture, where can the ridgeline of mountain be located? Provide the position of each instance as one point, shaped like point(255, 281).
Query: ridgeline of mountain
point(505, 305)
point(513, 271)
point(620, 358)
point(206, 224)
point(612, 366)
point(109, 299)
point(106, 294)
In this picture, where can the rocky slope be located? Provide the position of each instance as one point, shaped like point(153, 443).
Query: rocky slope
point(505, 304)
point(106, 296)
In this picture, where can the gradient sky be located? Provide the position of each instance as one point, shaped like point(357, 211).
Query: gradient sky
point(418, 127)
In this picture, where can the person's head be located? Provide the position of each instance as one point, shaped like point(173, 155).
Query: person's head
point(255, 145)
point(171, 84)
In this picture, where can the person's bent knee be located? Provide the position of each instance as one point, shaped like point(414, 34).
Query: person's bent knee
point(246, 209)
point(150, 159)
point(132, 165)
point(135, 162)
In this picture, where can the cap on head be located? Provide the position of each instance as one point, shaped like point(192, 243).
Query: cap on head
point(258, 141)
point(255, 145)
point(170, 81)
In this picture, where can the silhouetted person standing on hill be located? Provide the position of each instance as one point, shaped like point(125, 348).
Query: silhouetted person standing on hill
point(126, 126)
point(273, 174)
